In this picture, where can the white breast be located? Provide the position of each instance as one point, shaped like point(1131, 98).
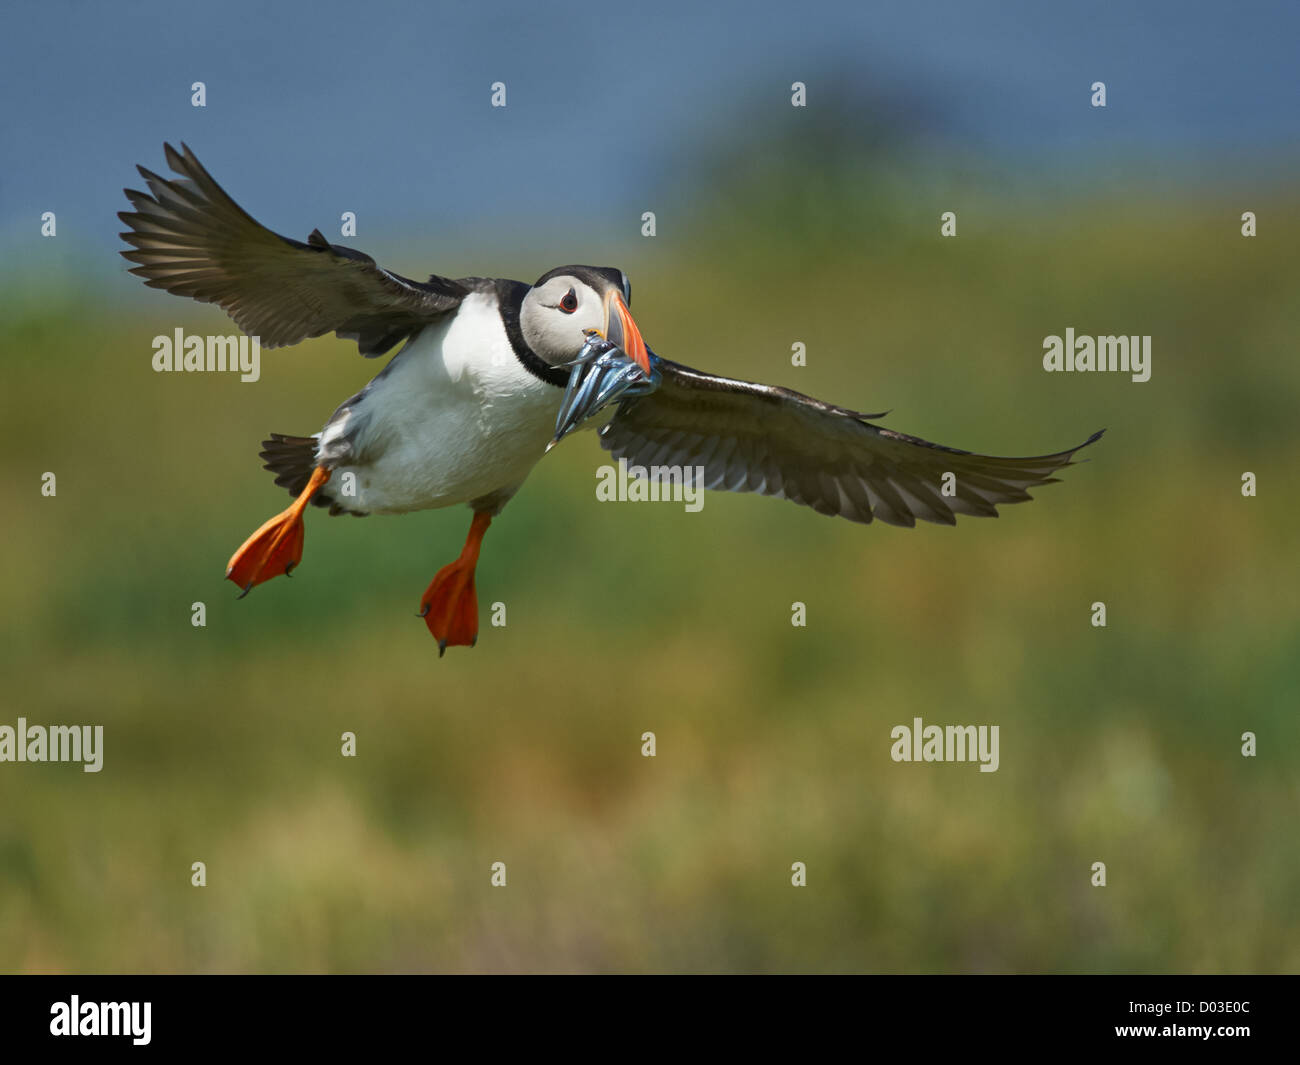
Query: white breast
point(454, 417)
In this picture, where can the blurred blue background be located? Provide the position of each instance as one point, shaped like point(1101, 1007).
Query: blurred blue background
point(383, 108)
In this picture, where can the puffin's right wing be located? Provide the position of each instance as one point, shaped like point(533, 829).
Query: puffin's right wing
point(759, 438)
point(192, 239)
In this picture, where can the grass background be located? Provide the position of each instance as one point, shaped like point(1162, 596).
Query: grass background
point(1119, 745)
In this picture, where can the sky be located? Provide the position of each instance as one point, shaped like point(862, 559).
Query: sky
point(384, 108)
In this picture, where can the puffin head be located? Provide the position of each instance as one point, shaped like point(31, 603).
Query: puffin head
point(568, 301)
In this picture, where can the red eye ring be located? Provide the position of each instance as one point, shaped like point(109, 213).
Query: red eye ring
point(569, 303)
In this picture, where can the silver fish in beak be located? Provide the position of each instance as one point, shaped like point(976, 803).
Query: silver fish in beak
point(602, 373)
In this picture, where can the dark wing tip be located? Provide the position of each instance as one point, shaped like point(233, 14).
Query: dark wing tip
point(153, 179)
point(1075, 450)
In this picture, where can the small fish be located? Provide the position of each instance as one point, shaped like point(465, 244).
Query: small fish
point(601, 374)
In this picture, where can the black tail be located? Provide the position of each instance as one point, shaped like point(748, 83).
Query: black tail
point(292, 459)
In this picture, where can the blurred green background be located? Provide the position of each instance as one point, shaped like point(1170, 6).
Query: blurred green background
point(775, 225)
point(1118, 745)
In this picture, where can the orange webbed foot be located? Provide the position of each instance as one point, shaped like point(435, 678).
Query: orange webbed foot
point(449, 605)
point(276, 547)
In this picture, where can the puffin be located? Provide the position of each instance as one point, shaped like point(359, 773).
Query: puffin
point(467, 405)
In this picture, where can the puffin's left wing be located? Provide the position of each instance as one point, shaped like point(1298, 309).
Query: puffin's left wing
point(759, 438)
point(190, 238)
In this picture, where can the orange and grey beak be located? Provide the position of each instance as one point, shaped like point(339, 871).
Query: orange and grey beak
point(620, 330)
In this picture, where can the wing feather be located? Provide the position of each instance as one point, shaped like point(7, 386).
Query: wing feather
point(749, 437)
point(190, 238)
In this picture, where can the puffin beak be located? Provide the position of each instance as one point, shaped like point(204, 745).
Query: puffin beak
point(622, 332)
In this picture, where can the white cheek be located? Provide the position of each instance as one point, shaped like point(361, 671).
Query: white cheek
point(565, 336)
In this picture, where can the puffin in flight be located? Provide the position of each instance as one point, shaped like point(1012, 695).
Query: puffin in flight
point(468, 405)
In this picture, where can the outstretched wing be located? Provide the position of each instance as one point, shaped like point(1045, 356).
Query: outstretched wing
point(758, 438)
point(191, 239)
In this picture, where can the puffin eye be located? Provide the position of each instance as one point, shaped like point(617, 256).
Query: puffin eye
point(569, 303)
